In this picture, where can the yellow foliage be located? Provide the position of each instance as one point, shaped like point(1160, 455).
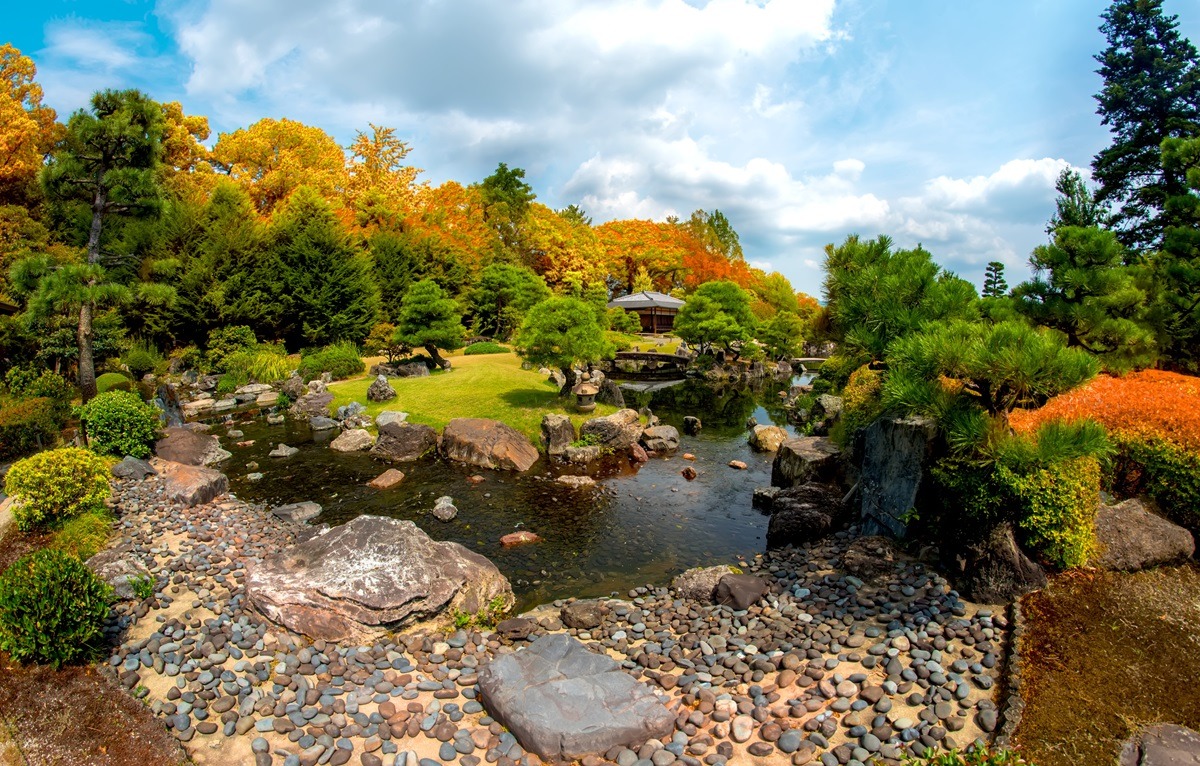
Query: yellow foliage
point(56, 485)
point(1059, 508)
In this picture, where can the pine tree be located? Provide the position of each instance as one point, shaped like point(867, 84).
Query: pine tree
point(1151, 92)
point(1076, 204)
point(994, 285)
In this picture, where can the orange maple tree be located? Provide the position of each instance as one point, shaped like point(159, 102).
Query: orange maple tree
point(27, 128)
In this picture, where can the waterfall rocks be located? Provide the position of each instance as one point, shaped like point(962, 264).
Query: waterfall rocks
point(358, 580)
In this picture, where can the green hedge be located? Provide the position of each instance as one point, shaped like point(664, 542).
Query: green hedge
point(27, 425)
point(119, 423)
point(485, 347)
point(340, 360)
point(52, 608)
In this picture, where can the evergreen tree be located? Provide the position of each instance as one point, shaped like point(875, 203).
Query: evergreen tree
point(502, 297)
point(430, 319)
point(561, 332)
point(1151, 92)
point(506, 200)
point(107, 162)
point(1083, 289)
point(332, 296)
point(1176, 268)
point(717, 313)
point(1076, 204)
point(994, 284)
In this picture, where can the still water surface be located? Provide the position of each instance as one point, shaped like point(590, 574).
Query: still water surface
point(631, 529)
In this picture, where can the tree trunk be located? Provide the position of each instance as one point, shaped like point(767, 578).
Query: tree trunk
point(570, 377)
point(87, 367)
point(436, 357)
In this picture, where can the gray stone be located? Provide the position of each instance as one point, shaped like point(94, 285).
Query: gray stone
point(805, 459)
point(700, 583)
point(617, 432)
point(390, 416)
point(118, 567)
point(353, 440)
point(740, 591)
point(557, 433)
point(351, 410)
point(358, 580)
point(404, 442)
point(610, 392)
point(312, 404)
point(660, 438)
point(132, 468)
point(896, 454)
point(380, 390)
point(322, 423)
point(1131, 538)
point(487, 444)
point(1162, 744)
point(298, 513)
point(283, 450)
point(582, 455)
point(444, 509)
point(564, 702)
point(582, 615)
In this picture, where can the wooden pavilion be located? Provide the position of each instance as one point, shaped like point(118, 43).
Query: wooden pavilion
point(655, 310)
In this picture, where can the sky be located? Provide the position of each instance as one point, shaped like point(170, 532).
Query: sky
point(936, 123)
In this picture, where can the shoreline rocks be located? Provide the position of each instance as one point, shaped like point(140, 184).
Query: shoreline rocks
point(487, 444)
point(403, 442)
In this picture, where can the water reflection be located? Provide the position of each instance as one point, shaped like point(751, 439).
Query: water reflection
point(633, 528)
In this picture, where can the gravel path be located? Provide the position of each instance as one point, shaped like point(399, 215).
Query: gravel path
point(826, 669)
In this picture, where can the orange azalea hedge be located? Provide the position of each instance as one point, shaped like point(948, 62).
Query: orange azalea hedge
point(1143, 406)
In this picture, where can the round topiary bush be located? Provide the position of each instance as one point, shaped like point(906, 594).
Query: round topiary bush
point(52, 608)
point(119, 423)
point(55, 485)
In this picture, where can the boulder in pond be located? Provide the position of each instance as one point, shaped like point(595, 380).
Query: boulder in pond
point(618, 431)
point(487, 444)
point(322, 423)
point(692, 425)
point(805, 459)
point(660, 438)
point(400, 441)
point(190, 484)
point(312, 404)
point(380, 390)
point(557, 433)
point(184, 445)
point(298, 513)
point(355, 582)
point(767, 438)
point(1131, 538)
point(522, 537)
point(564, 702)
point(444, 509)
point(386, 480)
point(582, 455)
point(996, 569)
point(353, 440)
point(283, 450)
point(700, 583)
point(576, 481)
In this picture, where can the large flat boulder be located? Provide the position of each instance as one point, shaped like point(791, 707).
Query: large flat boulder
point(767, 438)
point(563, 702)
point(373, 574)
point(895, 468)
point(487, 444)
point(190, 484)
point(660, 438)
point(1131, 538)
point(353, 440)
point(314, 404)
point(1164, 744)
point(401, 441)
point(805, 459)
point(700, 583)
point(618, 431)
point(184, 445)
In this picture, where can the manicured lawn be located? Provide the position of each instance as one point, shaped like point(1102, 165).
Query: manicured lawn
point(488, 386)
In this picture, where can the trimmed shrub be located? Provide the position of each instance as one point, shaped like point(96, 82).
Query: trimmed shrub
point(27, 425)
point(341, 360)
point(113, 381)
point(226, 340)
point(52, 608)
point(142, 359)
point(1058, 508)
point(18, 379)
point(188, 358)
point(119, 423)
point(52, 486)
point(484, 347)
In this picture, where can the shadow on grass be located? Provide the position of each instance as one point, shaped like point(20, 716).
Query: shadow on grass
point(532, 399)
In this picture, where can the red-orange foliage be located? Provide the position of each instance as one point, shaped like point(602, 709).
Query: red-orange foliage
point(1141, 406)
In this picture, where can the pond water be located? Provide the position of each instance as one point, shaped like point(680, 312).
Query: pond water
point(631, 529)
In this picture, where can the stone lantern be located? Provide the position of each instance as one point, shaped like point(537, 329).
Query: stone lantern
point(585, 396)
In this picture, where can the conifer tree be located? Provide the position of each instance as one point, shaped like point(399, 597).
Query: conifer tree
point(994, 284)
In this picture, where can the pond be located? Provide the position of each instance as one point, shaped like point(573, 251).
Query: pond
point(631, 529)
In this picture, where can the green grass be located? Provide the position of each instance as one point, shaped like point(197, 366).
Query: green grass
point(84, 535)
point(488, 386)
point(110, 380)
point(655, 346)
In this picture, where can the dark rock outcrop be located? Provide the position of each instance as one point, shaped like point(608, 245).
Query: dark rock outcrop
point(692, 425)
point(996, 569)
point(805, 459)
point(356, 581)
point(380, 390)
point(803, 514)
point(404, 442)
point(1131, 538)
point(312, 405)
point(896, 454)
point(870, 557)
point(487, 444)
point(618, 431)
point(132, 468)
point(563, 702)
point(740, 591)
point(582, 615)
point(610, 393)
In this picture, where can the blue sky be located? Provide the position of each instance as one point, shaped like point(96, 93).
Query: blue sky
point(943, 123)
